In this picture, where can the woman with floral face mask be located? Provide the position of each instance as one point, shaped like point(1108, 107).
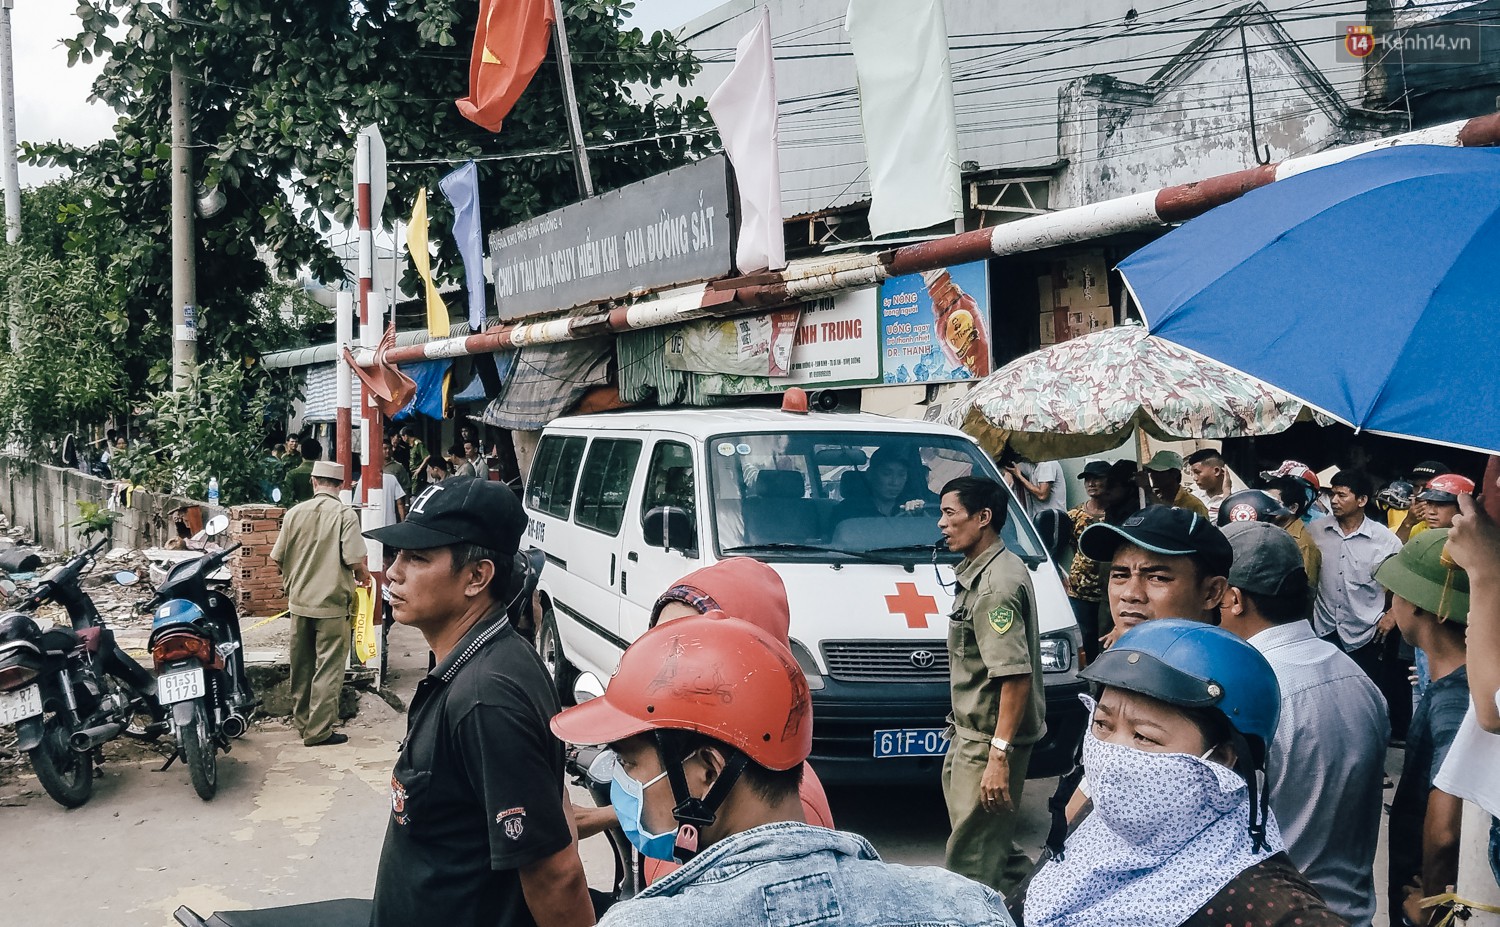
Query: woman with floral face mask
point(1180, 832)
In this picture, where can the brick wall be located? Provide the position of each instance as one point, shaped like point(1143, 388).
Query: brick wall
point(257, 581)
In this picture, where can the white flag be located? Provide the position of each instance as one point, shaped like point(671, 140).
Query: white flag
point(744, 108)
point(906, 106)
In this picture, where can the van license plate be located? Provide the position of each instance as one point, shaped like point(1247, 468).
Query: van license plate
point(16, 707)
point(911, 741)
point(179, 687)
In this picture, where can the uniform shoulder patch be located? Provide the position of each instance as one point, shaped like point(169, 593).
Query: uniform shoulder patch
point(1001, 618)
point(512, 822)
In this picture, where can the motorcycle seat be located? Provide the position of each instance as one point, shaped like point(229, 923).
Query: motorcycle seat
point(60, 640)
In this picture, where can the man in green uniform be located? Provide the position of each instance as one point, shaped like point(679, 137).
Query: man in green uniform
point(299, 480)
point(998, 701)
point(321, 556)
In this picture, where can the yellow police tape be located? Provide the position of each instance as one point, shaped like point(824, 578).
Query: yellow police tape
point(1458, 907)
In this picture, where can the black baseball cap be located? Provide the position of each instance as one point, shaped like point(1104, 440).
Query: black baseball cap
point(1164, 530)
point(1095, 469)
point(460, 510)
point(1428, 469)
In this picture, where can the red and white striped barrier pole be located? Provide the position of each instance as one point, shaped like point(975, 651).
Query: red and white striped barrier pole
point(371, 315)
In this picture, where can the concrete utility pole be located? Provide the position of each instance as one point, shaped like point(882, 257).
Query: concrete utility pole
point(184, 268)
point(570, 102)
point(8, 140)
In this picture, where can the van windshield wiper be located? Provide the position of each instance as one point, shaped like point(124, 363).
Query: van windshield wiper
point(908, 548)
point(793, 547)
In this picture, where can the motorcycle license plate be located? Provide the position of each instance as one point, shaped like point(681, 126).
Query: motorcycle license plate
point(179, 687)
point(910, 741)
point(16, 707)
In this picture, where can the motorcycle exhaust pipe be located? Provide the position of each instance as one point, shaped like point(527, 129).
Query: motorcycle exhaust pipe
point(87, 739)
point(234, 726)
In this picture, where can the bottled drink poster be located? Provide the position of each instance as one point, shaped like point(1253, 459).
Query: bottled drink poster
point(935, 326)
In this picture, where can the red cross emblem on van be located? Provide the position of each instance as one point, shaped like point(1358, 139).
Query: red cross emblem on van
point(911, 604)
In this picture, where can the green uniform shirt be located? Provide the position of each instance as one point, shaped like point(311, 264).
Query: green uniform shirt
point(992, 634)
point(298, 484)
point(317, 549)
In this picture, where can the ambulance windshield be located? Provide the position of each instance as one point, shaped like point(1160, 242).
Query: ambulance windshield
point(806, 495)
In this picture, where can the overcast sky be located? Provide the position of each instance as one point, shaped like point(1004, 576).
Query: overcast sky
point(52, 98)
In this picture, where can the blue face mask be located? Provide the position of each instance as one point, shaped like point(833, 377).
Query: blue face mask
point(626, 794)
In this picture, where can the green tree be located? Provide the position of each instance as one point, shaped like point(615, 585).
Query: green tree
point(212, 430)
point(278, 91)
point(59, 372)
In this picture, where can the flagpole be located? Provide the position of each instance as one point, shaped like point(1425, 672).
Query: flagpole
point(570, 103)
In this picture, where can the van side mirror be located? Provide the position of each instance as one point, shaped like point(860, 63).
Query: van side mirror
point(587, 686)
point(671, 527)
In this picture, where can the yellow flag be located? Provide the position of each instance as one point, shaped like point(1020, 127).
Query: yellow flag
point(438, 324)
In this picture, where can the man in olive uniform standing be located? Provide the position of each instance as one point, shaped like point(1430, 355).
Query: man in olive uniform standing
point(998, 701)
point(321, 557)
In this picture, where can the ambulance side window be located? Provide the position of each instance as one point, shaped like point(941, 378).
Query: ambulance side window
point(554, 472)
point(605, 485)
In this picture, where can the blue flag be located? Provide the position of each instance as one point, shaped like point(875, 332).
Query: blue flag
point(462, 190)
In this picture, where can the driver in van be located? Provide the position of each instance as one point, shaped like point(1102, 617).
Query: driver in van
point(885, 482)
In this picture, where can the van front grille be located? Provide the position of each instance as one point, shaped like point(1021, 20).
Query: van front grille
point(887, 661)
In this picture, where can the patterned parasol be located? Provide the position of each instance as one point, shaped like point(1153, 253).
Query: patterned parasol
point(1087, 395)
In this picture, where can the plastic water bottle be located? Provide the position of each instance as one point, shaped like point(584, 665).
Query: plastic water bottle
point(213, 490)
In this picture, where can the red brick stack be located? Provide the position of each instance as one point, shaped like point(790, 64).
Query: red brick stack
point(257, 581)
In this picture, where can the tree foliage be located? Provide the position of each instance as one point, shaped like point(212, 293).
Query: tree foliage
point(277, 93)
point(59, 369)
point(212, 430)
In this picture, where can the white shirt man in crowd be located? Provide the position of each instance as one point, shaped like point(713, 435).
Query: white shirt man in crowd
point(1350, 602)
point(1326, 764)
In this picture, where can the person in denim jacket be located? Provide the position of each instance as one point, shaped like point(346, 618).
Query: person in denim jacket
point(712, 721)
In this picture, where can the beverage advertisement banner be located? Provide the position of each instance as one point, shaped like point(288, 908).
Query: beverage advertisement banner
point(935, 326)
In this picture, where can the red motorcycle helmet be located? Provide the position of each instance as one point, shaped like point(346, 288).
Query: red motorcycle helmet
point(1446, 488)
point(714, 675)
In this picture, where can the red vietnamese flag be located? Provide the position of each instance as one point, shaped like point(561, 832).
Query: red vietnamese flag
point(509, 45)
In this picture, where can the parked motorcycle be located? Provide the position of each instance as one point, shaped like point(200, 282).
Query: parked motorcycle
point(200, 664)
point(68, 691)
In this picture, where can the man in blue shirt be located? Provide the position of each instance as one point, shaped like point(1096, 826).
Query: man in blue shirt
point(1326, 764)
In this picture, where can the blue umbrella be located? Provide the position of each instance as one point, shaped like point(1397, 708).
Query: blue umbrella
point(1369, 289)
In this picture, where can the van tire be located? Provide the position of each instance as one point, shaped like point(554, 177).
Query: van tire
point(549, 648)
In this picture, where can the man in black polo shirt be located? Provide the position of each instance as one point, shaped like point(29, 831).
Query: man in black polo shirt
point(479, 830)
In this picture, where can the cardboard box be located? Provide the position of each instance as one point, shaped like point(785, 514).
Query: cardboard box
point(1046, 300)
point(1084, 280)
point(1090, 319)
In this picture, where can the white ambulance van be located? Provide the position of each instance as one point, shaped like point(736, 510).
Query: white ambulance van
point(623, 504)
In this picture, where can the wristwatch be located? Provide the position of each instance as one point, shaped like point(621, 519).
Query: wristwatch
point(1001, 744)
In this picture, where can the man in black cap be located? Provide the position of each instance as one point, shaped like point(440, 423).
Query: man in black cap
point(479, 830)
point(1164, 562)
point(1085, 584)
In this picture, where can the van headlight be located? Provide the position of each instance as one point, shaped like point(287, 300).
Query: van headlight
point(1056, 652)
point(809, 667)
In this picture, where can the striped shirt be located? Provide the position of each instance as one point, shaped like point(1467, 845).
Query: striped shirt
point(1326, 765)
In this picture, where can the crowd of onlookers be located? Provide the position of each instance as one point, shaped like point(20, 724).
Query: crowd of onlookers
point(1366, 598)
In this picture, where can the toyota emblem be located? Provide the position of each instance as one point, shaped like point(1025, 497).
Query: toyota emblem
point(922, 659)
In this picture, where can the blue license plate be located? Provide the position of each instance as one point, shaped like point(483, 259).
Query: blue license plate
point(911, 741)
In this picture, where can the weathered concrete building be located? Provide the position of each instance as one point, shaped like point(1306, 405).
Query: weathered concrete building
point(1072, 101)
